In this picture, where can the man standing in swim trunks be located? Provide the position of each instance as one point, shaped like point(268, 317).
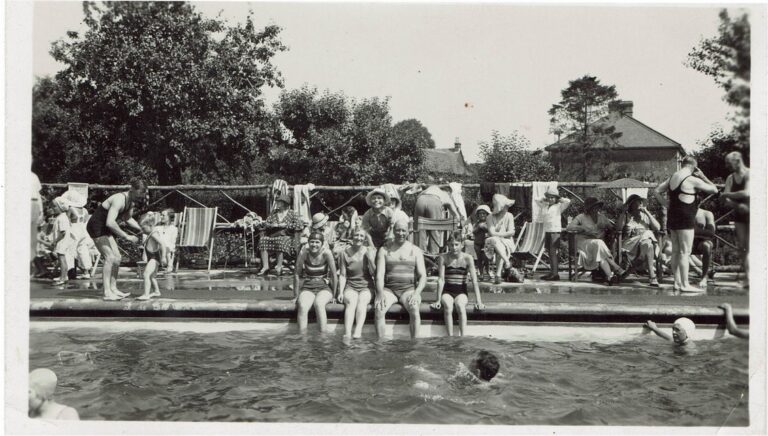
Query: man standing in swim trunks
point(398, 262)
point(103, 227)
point(736, 196)
point(681, 206)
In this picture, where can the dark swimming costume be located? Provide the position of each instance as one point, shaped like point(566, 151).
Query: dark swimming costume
point(314, 276)
point(455, 281)
point(97, 225)
point(740, 216)
point(151, 254)
point(681, 216)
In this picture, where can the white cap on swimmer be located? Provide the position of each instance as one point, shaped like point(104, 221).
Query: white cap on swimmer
point(687, 325)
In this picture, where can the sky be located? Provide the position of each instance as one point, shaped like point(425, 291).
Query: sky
point(465, 70)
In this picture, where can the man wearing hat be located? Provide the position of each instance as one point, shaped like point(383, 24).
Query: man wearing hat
point(590, 228)
point(431, 203)
point(638, 227)
point(553, 206)
point(377, 220)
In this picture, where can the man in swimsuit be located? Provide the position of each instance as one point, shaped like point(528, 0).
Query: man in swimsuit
point(397, 264)
point(702, 243)
point(103, 227)
point(42, 385)
point(681, 189)
point(736, 196)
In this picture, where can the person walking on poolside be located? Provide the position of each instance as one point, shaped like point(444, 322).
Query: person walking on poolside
point(155, 250)
point(103, 227)
point(42, 386)
point(554, 205)
point(590, 228)
point(638, 227)
point(431, 203)
point(313, 266)
point(681, 189)
point(736, 196)
point(703, 234)
point(399, 264)
point(452, 283)
point(501, 233)
point(356, 280)
point(377, 221)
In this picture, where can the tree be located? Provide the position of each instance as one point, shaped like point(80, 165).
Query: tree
point(727, 59)
point(413, 133)
point(578, 115)
point(336, 140)
point(710, 157)
point(509, 159)
point(157, 85)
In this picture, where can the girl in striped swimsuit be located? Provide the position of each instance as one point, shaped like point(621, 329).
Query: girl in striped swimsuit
point(356, 281)
point(398, 263)
point(309, 286)
point(452, 283)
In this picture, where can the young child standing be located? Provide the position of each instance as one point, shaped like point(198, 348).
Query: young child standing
point(479, 235)
point(170, 233)
point(554, 205)
point(61, 242)
point(156, 256)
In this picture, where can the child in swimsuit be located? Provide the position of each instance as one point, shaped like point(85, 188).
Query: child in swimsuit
point(314, 265)
point(452, 283)
point(156, 256)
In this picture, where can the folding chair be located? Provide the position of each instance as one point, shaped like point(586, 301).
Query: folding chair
point(446, 225)
point(631, 267)
point(532, 244)
point(197, 224)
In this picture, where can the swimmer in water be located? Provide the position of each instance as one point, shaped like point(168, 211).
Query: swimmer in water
point(42, 385)
point(682, 330)
point(483, 368)
point(731, 324)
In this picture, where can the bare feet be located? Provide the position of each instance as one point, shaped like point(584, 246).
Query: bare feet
point(112, 297)
point(357, 335)
point(144, 297)
point(703, 283)
point(692, 290)
point(155, 294)
point(120, 293)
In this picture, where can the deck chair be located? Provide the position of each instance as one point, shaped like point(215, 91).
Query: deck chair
point(196, 230)
point(530, 243)
point(445, 225)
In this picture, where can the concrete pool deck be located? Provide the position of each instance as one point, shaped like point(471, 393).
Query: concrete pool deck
point(241, 294)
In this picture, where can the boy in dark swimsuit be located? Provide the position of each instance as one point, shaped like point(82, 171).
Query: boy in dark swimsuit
point(156, 256)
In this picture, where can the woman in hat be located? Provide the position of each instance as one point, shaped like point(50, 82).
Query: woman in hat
point(553, 206)
point(377, 221)
point(590, 228)
point(501, 231)
point(638, 227)
point(313, 266)
point(277, 234)
point(356, 277)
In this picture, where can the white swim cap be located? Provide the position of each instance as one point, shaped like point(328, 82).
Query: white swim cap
point(687, 325)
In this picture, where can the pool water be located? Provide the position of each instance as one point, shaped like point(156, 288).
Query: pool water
point(267, 376)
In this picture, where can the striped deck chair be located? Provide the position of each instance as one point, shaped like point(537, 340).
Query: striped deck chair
point(197, 224)
point(530, 242)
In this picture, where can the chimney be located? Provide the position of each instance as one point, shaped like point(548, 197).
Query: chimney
point(621, 108)
point(456, 144)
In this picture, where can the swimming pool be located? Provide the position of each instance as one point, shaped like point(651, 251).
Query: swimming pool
point(207, 371)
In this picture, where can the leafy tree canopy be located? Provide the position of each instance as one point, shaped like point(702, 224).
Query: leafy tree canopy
point(413, 133)
point(509, 159)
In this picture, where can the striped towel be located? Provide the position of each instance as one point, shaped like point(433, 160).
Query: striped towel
point(198, 224)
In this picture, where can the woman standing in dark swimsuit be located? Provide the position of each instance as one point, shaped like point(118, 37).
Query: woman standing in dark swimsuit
point(452, 283)
point(681, 190)
point(103, 227)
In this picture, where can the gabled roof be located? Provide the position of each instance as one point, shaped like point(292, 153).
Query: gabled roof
point(445, 160)
point(634, 134)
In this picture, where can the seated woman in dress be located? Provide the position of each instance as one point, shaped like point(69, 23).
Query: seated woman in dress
point(398, 265)
point(638, 227)
point(501, 233)
point(356, 277)
point(590, 228)
point(452, 283)
point(277, 234)
point(310, 288)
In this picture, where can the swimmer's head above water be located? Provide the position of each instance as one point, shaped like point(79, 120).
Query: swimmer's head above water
point(42, 385)
point(682, 330)
point(485, 365)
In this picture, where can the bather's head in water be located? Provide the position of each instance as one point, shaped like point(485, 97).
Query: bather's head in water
point(682, 330)
point(42, 385)
point(484, 366)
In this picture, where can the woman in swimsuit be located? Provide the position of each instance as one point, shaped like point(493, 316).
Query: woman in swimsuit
point(398, 262)
point(356, 281)
point(313, 266)
point(681, 189)
point(156, 255)
point(452, 283)
point(103, 227)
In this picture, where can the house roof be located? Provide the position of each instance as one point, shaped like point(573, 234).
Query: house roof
point(445, 160)
point(634, 134)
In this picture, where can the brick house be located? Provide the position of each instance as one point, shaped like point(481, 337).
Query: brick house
point(640, 152)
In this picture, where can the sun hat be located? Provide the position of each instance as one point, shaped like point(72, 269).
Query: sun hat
point(376, 191)
point(592, 202)
point(61, 202)
point(552, 192)
point(318, 220)
point(632, 198)
point(501, 202)
point(74, 198)
point(484, 208)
